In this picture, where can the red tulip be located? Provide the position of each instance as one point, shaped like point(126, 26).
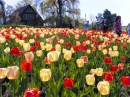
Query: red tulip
point(85, 58)
point(121, 66)
point(20, 53)
point(125, 80)
point(37, 43)
point(124, 46)
point(19, 36)
point(123, 58)
point(75, 48)
point(83, 48)
point(14, 50)
point(68, 82)
point(53, 49)
point(108, 76)
point(107, 60)
point(118, 43)
point(7, 37)
point(47, 61)
point(113, 68)
point(32, 92)
point(26, 65)
point(32, 49)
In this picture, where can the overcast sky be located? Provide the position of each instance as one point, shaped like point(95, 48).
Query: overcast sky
point(93, 7)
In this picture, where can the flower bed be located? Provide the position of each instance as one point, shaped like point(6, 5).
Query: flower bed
point(63, 63)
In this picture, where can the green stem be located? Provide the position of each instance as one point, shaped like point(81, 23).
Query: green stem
point(69, 93)
point(13, 87)
point(0, 88)
point(126, 92)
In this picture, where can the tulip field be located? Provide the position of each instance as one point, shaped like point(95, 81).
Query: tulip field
point(63, 62)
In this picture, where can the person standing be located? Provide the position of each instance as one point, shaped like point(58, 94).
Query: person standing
point(86, 25)
point(72, 24)
point(128, 29)
point(117, 26)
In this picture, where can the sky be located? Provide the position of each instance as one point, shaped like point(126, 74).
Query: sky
point(93, 7)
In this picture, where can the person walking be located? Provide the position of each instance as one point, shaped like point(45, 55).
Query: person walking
point(72, 24)
point(117, 26)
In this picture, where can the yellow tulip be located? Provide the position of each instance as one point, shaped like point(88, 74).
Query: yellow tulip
point(58, 47)
point(88, 51)
point(45, 74)
point(12, 72)
point(48, 47)
point(103, 87)
point(78, 43)
point(90, 79)
point(99, 71)
point(115, 48)
point(53, 56)
point(26, 46)
point(80, 62)
point(39, 53)
point(7, 50)
point(61, 41)
point(68, 55)
point(31, 41)
point(3, 73)
point(104, 51)
point(2, 40)
point(21, 42)
point(93, 71)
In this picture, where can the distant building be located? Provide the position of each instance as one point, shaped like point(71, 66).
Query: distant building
point(2, 12)
point(28, 16)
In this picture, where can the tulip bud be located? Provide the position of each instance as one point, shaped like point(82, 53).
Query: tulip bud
point(45, 74)
point(90, 79)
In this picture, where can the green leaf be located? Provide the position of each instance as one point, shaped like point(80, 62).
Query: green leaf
point(85, 92)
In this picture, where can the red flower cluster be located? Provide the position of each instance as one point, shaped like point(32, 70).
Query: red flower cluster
point(32, 92)
point(81, 47)
point(125, 80)
point(69, 44)
point(26, 65)
point(108, 76)
point(68, 82)
point(16, 51)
